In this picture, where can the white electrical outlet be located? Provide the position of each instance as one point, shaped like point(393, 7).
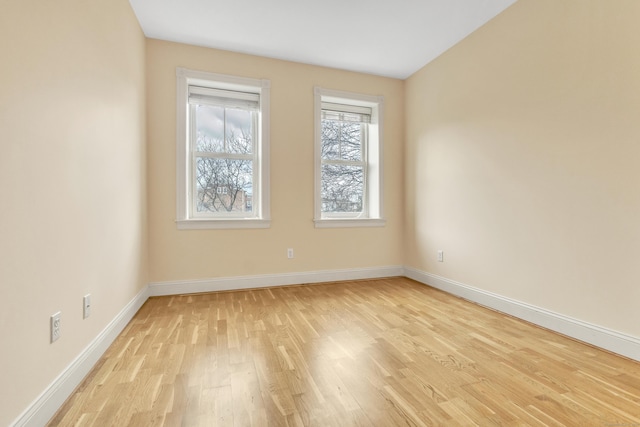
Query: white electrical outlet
point(440, 256)
point(86, 306)
point(290, 253)
point(55, 326)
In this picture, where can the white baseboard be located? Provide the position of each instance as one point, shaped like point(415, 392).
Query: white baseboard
point(48, 403)
point(269, 280)
point(608, 339)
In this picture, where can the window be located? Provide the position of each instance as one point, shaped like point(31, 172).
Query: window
point(222, 151)
point(348, 152)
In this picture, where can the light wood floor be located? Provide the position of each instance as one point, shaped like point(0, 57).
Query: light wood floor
point(386, 352)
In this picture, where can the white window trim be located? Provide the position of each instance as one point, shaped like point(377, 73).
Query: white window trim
point(184, 78)
point(374, 175)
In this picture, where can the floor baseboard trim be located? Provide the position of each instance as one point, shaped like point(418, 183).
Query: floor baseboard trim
point(48, 403)
point(608, 339)
point(270, 280)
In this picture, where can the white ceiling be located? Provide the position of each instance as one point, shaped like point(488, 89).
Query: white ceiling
point(383, 37)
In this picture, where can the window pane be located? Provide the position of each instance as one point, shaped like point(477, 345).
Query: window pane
point(342, 188)
point(341, 140)
point(239, 128)
point(330, 140)
point(223, 185)
point(351, 137)
point(214, 122)
point(209, 128)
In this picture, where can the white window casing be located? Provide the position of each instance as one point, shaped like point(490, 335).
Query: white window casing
point(351, 108)
point(198, 88)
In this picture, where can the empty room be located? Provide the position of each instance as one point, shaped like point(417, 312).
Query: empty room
point(319, 214)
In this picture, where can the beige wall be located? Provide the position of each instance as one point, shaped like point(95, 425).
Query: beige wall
point(523, 160)
point(72, 182)
point(202, 254)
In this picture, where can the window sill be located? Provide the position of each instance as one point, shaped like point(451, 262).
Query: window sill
point(347, 223)
point(228, 223)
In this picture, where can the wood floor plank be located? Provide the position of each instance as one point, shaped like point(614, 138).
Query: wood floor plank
point(387, 352)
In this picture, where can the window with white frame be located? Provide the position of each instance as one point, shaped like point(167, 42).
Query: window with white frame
point(222, 151)
point(348, 157)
